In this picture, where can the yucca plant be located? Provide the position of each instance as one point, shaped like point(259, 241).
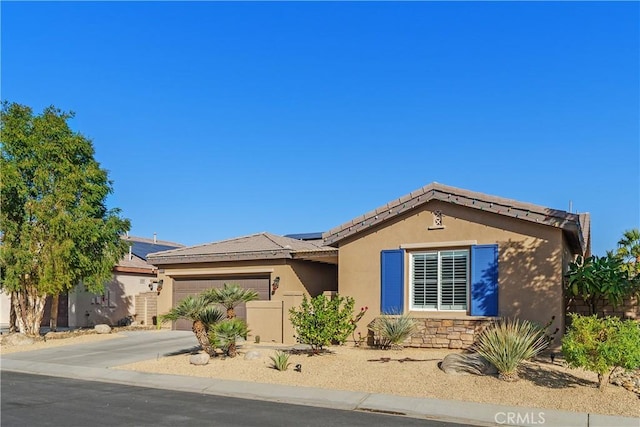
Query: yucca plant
point(226, 333)
point(229, 296)
point(508, 342)
point(393, 329)
point(203, 315)
point(280, 361)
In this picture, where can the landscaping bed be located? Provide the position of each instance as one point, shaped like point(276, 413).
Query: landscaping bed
point(412, 372)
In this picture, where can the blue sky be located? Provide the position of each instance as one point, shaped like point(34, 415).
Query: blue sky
point(218, 119)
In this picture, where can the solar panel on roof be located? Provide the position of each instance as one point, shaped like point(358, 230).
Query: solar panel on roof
point(305, 236)
point(143, 249)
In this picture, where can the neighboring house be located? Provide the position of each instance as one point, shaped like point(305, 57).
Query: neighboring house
point(453, 259)
point(131, 294)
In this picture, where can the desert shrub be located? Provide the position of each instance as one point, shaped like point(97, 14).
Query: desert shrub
point(280, 361)
point(225, 334)
point(392, 329)
point(322, 321)
point(508, 342)
point(601, 344)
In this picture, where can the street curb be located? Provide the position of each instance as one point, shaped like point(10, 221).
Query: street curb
point(480, 414)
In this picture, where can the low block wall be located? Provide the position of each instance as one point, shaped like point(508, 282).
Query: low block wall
point(629, 309)
point(264, 318)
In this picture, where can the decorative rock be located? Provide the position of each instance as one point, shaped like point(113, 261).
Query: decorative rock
point(252, 355)
point(17, 339)
point(199, 359)
point(103, 329)
point(301, 347)
point(630, 380)
point(463, 364)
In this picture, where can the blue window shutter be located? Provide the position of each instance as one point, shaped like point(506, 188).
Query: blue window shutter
point(392, 281)
point(484, 280)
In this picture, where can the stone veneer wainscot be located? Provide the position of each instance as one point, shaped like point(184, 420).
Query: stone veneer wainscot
point(446, 333)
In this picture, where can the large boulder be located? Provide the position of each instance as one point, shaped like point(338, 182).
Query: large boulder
point(199, 359)
point(17, 339)
point(103, 329)
point(465, 364)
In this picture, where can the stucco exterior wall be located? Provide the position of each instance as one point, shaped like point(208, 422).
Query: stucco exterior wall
point(296, 277)
point(85, 310)
point(5, 310)
point(530, 260)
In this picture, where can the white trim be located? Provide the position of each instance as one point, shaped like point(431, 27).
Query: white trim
point(428, 245)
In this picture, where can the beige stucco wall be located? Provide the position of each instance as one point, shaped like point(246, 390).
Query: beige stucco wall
point(297, 277)
point(123, 288)
point(530, 260)
point(5, 309)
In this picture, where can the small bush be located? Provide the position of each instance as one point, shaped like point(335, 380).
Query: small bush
point(393, 329)
point(280, 361)
point(601, 344)
point(225, 334)
point(507, 343)
point(321, 321)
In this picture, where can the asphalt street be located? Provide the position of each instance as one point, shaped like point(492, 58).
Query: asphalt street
point(37, 400)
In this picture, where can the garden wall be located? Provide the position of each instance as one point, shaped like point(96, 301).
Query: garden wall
point(630, 309)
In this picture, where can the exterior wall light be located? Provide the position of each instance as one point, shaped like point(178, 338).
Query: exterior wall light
point(275, 285)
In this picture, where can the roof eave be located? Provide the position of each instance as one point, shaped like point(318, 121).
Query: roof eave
point(234, 256)
point(478, 201)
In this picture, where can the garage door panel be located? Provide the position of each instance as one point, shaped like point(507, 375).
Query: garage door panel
point(194, 286)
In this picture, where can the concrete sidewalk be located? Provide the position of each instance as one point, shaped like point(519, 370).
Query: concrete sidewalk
point(94, 362)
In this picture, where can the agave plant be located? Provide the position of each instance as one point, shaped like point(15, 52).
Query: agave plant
point(230, 296)
point(393, 329)
point(507, 343)
point(280, 361)
point(203, 315)
point(226, 333)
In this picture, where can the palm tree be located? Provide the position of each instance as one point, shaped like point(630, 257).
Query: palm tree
point(629, 250)
point(227, 332)
point(203, 315)
point(230, 296)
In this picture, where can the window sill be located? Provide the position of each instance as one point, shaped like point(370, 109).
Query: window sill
point(447, 315)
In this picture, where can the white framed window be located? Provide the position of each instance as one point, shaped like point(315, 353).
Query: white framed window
point(439, 280)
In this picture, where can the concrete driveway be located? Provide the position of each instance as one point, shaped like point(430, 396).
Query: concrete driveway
point(132, 346)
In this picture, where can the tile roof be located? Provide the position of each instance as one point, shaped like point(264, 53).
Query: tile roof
point(576, 226)
point(255, 246)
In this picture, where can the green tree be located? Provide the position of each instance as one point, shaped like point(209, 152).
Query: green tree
point(230, 296)
point(203, 315)
point(322, 321)
point(601, 344)
point(598, 280)
point(56, 228)
point(629, 251)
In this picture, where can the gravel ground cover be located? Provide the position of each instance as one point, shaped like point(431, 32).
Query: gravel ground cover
point(407, 372)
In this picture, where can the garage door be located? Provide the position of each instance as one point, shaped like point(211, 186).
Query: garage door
point(185, 287)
